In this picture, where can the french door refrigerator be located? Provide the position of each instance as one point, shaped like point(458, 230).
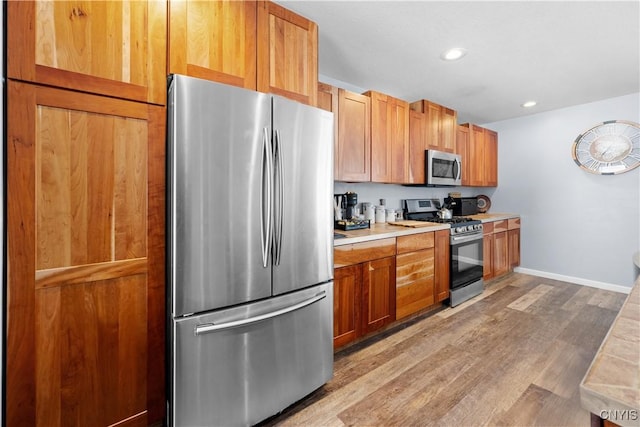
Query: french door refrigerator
point(250, 253)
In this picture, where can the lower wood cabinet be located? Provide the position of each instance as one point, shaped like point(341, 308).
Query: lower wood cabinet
point(443, 260)
point(501, 247)
point(347, 295)
point(364, 289)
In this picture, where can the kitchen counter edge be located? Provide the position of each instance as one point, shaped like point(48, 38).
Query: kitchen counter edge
point(383, 231)
point(611, 385)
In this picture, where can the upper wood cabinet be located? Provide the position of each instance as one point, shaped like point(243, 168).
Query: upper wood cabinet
point(440, 124)
point(463, 148)
point(115, 48)
point(287, 53)
point(328, 100)
point(353, 153)
point(417, 146)
point(214, 40)
point(85, 257)
point(389, 139)
point(480, 155)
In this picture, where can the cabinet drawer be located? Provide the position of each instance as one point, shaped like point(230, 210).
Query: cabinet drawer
point(414, 297)
point(487, 227)
point(415, 242)
point(356, 253)
point(499, 226)
point(513, 223)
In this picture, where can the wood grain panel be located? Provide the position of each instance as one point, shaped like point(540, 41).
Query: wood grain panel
point(287, 53)
point(414, 265)
point(381, 136)
point(414, 242)
point(156, 225)
point(443, 258)
point(91, 188)
point(414, 297)
point(400, 141)
point(417, 146)
point(21, 247)
point(214, 40)
point(513, 223)
point(357, 253)
point(109, 48)
point(415, 281)
point(83, 338)
point(379, 293)
point(347, 301)
point(491, 158)
point(514, 247)
point(499, 226)
point(500, 253)
point(354, 137)
point(89, 272)
point(91, 343)
point(463, 149)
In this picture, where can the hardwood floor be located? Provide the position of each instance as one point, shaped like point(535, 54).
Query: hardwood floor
point(513, 356)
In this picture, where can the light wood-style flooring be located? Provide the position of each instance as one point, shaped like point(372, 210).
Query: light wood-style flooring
point(513, 356)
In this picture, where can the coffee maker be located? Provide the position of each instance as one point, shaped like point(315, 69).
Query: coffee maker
point(350, 200)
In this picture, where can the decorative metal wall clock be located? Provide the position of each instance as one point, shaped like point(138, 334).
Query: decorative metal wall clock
point(608, 148)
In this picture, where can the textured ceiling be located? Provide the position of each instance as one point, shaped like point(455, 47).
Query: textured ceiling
point(557, 53)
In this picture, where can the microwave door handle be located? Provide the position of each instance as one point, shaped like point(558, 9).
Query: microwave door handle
point(459, 174)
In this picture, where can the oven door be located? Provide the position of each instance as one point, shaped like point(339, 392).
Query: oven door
point(466, 260)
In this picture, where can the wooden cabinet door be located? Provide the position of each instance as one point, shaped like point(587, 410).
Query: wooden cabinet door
point(115, 48)
point(443, 258)
point(434, 117)
point(85, 224)
point(476, 155)
point(448, 129)
point(417, 146)
point(491, 158)
point(487, 254)
point(463, 149)
point(500, 253)
point(347, 297)
point(400, 142)
point(379, 293)
point(214, 40)
point(328, 100)
point(389, 139)
point(514, 248)
point(287, 53)
point(381, 136)
point(354, 138)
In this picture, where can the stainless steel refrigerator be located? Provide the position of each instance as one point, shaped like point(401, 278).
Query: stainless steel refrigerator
point(250, 253)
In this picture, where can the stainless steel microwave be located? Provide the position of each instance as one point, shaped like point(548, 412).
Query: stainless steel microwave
point(442, 169)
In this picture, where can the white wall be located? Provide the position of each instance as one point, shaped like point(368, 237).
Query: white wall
point(575, 225)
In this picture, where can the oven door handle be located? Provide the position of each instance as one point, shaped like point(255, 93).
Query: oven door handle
point(464, 239)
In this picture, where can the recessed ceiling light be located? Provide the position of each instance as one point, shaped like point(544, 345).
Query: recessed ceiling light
point(453, 54)
point(529, 104)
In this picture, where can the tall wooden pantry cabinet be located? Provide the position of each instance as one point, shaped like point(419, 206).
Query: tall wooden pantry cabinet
point(85, 213)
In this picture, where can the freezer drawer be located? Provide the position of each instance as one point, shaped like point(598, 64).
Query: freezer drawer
point(241, 365)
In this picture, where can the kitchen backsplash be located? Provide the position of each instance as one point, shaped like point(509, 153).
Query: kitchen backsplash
point(394, 194)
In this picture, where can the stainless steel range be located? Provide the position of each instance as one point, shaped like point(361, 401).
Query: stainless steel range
point(466, 265)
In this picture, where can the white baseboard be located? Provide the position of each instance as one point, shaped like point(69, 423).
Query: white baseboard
point(576, 280)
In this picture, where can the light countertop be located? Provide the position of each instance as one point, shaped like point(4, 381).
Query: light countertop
point(612, 382)
point(384, 230)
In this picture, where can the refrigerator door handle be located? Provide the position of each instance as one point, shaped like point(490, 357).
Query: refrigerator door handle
point(265, 199)
point(212, 327)
point(279, 199)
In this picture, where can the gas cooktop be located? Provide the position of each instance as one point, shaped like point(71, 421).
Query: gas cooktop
point(454, 220)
